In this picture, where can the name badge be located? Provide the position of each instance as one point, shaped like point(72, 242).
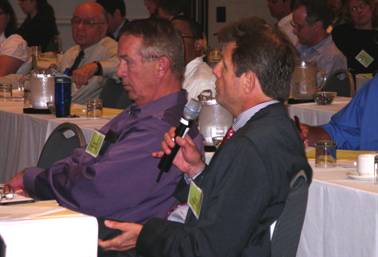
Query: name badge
point(195, 198)
point(95, 144)
point(364, 58)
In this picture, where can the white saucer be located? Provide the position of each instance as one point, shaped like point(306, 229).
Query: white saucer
point(356, 176)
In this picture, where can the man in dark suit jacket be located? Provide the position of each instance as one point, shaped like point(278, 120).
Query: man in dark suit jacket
point(246, 184)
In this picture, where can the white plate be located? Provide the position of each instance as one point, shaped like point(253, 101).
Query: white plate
point(356, 176)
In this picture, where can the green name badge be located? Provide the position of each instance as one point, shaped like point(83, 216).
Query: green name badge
point(364, 58)
point(95, 144)
point(195, 198)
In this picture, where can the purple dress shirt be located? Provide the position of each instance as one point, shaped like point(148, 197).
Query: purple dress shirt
point(120, 183)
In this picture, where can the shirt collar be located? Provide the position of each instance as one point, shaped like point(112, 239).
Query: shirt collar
point(245, 116)
point(308, 50)
point(159, 104)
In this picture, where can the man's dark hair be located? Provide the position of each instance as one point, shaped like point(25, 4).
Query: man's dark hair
point(317, 10)
point(160, 38)
point(264, 50)
point(111, 6)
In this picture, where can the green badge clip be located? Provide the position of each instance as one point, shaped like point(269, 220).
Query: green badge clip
point(364, 58)
point(95, 144)
point(195, 198)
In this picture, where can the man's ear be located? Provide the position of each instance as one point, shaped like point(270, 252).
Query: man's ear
point(163, 65)
point(248, 81)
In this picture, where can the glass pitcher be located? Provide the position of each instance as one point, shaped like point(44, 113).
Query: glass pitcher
point(306, 80)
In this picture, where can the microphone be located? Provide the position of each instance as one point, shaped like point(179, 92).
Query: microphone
point(191, 112)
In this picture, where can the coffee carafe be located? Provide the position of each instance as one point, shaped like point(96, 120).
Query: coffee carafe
point(214, 120)
point(41, 89)
point(306, 80)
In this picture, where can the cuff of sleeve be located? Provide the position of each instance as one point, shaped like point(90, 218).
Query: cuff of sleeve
point(109, 68)
point(29, 179)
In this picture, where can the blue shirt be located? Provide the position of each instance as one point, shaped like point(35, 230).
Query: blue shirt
point(325, 54)
point(355, 127)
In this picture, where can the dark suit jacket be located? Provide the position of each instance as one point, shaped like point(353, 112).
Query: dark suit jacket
point(245, 188)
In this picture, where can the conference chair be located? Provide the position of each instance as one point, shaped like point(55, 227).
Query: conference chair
point(2, 247)
point(60, 144)
point(287, 230)
point(340, 81)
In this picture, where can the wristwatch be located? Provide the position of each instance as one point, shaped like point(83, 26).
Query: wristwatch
point(99, 69)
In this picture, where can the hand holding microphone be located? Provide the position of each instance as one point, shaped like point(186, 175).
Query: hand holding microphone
point(191, 112)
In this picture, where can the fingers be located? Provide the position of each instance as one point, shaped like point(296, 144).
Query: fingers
point(126, 240)
point(82, 75)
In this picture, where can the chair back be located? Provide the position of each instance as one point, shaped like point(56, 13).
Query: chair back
point(60, 144)
point(2, 247)
point(340, 81)
point(113, 95)
point(288, 228)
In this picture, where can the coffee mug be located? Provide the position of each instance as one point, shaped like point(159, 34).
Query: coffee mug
point(366, 164)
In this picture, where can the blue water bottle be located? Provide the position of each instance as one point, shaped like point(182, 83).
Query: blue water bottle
point(62, 96)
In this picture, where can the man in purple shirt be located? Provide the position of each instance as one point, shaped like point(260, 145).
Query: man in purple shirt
point(120, 183)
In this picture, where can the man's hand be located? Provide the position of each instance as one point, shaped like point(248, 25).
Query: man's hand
point(188, 158)
point(125, 241)
point(17, 182)
point(81, 75)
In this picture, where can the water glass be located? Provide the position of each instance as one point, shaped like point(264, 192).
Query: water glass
point(5, 90)
point(325, 154)
point(94, 108)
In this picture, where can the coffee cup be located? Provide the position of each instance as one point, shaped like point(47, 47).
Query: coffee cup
point(366, 164)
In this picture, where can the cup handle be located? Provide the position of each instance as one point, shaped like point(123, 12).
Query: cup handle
point(321, 78)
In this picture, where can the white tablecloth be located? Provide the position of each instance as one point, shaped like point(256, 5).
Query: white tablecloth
point(44, 229)
point(22, 136)
point(314, 114)
point(341, 218)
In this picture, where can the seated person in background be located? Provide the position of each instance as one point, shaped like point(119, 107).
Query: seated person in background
point(169, 9)
point(13, 48)
point(355, 126)
point(358, 38)
point(282, 11)
point(246, 184)
point(120, 183)
point(94, 57)
point(198, 74)
point(152, 7)
point(338, 9)
point(311, 18)
point(39, 27)
point(116, 15)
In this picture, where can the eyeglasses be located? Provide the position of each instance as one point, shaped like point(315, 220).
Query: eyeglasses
point(361, 6)
point(6, 192)
point(75, 21)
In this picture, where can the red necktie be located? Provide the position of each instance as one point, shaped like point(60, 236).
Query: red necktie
point(230, 132)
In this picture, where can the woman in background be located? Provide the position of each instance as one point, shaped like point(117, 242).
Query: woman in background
point(358, 38)
point(13, 48)
point(39, 28)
